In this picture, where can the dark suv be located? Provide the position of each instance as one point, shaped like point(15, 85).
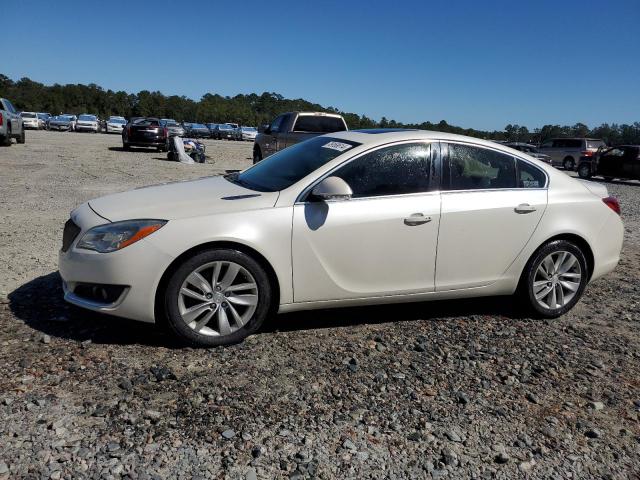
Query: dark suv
point(145, 132)
point(622, 161)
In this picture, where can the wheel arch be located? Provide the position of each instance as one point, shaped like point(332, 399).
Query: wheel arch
point(579, 241)
point(159, 312)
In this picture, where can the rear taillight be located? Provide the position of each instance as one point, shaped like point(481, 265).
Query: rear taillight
point(165, 132)
point(1, 120)
point(587, 153)
point(612, 203)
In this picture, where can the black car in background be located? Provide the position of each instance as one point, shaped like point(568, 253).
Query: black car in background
point(622, 162)
point(224, 131)
point(212, 129)
point(197, 130)
point(145, 132)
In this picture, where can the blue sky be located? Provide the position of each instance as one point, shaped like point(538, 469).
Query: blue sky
point(477, 64)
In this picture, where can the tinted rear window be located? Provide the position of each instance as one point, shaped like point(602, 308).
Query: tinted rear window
point(595, 143)
point(28, 115)
point(318, 124)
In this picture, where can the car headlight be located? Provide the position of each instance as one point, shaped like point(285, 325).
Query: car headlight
point(117, 235)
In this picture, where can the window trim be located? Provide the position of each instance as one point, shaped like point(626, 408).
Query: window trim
point(444, 152)
point(301, 199)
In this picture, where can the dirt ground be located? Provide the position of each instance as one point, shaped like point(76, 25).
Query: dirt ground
point(452, 389)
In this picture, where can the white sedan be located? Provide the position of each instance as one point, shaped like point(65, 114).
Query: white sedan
point(351, 218)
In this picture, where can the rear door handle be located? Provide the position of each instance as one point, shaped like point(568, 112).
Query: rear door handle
point(416, 219)
point(524, 208)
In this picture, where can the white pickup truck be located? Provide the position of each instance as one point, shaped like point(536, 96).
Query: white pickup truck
point(10, 123)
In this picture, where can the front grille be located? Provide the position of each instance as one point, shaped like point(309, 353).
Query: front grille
point(71, 231)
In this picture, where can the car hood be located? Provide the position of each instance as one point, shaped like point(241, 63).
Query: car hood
point(183, 199)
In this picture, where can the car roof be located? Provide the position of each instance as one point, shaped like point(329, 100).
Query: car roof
point(388, 135)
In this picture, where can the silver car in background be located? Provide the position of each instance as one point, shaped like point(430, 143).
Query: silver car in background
point(174, 128)
point(65, 123)
point(30, 120)
point(87, 123)
point(566, 152)
point(115, 124)
point(246, 133)
point(530, 150)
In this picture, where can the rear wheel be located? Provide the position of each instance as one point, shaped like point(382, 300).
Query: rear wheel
point(568, 163)
point(584, 170)
point(257, 155)
point(6, 141)
point(126, 146)
point(555, 278)
point(217, 297)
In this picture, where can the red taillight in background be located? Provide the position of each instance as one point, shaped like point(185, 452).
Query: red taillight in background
point(165, 132)
point(1, 120)
point(587, 153)
point(612, 203)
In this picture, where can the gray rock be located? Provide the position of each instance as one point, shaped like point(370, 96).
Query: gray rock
point(502, 458)
point(45, 339)
point(251, 474)
point(228, 434)
point(4, 468)
point(349, 445)
point(596, 405)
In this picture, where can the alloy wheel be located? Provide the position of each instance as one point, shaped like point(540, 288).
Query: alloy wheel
point(557, 279)
point(218, 298)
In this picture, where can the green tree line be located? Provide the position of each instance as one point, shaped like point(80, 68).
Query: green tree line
point(254, 109)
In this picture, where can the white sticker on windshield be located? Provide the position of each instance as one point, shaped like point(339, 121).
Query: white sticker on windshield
point(339, 146)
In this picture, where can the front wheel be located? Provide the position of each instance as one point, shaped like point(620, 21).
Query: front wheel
point(555, 278)
point(217, 297)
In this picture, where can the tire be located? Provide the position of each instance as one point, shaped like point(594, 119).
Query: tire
point(22, 138)
point(6, 141)
point(584, 170)
point(257, 155)
point(126, 146)
point(569, 163)
point(215, 323)
point(608, 179)
point(539, 277)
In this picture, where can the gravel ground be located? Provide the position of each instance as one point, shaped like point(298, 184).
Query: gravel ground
point(455, 389)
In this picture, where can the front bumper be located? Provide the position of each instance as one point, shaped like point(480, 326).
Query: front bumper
point(59, 127)
point(136, 268)
point(88, 128)
point(30, 124)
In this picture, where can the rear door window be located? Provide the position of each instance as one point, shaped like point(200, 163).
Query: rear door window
point(530, 176)
point(475, 168)
point(276, 125)
point(318, 124)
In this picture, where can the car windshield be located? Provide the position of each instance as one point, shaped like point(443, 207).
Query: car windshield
point(172, 124)
point(28, 115)
point(286, 167)
point(249, 129)
point(224, 127)
point(88, 118)
point(198, 125)
point(117, 120)
point(66, 117)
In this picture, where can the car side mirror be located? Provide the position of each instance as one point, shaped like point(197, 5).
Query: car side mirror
point(332, 188)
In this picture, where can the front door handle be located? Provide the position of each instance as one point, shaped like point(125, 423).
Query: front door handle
point(416, 219)
point(524, 208)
